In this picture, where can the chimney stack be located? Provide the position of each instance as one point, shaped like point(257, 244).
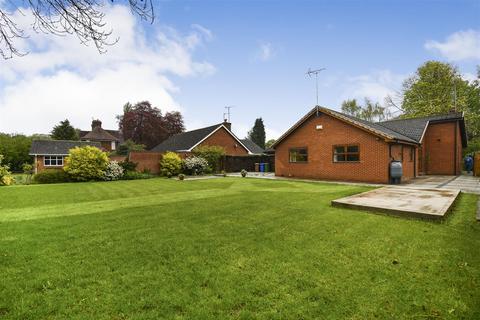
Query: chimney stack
point(227, 125)
point(96, 123)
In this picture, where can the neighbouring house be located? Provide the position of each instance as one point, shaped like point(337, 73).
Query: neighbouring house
point(216, 135)
point(184, 143)
point(50, 154)
point(326, 144)
point(109, 139)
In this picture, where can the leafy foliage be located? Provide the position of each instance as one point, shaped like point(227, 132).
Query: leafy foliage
point(473, 146)
point(213, 155)
point(145, 124)
point(15, 148)
point(438, 87)
point(52, 176)
point(171, 164)
point(113, 172)
point(257, 134)
point(133, 175)
point(6, 177)
point(86, 163)
point(128, 166)
point(370, 111)
point(125, 148)
point(64, 131)
point(269, 143)
point(195, 165)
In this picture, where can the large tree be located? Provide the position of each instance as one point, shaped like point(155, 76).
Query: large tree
point(257, 134)
point(146, 125)
point(64, 131)
point(370, 111)
point(83, 18)
point(15, 148)
point(438, 87)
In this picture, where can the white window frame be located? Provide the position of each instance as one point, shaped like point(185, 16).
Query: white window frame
point(58, 160)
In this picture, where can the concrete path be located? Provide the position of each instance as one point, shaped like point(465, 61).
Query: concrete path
point(465, 183)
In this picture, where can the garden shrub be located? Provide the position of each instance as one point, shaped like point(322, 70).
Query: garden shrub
point(195, 165)
point(171, 164)
point(133, 175)
point(213, 155)
point(86, 163)
point(181, 176)
point(28, 171)
point(52, 176)
point(128, 165)
point(113, 172)
point(6, 177)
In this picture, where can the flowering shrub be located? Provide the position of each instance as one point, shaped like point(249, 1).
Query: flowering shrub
point(195, 165)
point(113, 172)
point(171, 164)
point(86, 163)
point(6, 177)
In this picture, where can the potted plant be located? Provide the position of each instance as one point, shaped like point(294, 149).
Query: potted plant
point(181, 177)
point(243, 173)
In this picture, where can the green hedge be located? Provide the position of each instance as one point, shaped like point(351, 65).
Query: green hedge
point(53, 176)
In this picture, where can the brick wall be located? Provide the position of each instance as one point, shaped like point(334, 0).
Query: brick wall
point(440, 154)
point(224, 139)
point(374, 152)
point(146, 160)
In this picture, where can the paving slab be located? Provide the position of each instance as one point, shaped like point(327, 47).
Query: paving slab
point(402, 201)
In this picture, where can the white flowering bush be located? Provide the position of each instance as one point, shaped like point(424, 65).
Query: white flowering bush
point(113, 172)
point(195, 165)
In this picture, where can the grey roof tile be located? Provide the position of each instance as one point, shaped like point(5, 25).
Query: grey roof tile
point(252, 146)
point(58, 147)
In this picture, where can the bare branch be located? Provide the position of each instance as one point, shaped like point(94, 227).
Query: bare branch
point(82, 18)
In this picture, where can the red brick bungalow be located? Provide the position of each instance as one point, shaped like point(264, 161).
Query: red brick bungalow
point(184, 143)
point(329, 145)
point(50, 154)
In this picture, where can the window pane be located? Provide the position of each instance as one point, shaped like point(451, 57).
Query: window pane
point(60, 161)
point(339, 157)
point(340, 149)
point(353, 157)
point(293, 156)
point(47, 161)
point(353, 149)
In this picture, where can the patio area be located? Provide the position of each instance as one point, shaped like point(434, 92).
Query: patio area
point(420, 203)
point(464, 183)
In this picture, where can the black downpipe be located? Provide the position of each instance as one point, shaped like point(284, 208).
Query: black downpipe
point(455, 151)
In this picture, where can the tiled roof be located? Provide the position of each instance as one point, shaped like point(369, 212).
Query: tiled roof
point(115, 133)
point(98, 134)
point(406, 130)
point(376, 127)
point(252, 146)
point(414, 127)
point(186, 140)
point(58, 147)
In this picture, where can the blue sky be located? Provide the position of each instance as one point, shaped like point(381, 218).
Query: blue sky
point(252, 55)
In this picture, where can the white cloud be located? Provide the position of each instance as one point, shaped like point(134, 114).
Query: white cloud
point(264, 52)
point(461, 45)
point(61, 78)
point(375, 86)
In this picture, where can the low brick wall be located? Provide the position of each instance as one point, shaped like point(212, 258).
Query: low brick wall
point(146, 160)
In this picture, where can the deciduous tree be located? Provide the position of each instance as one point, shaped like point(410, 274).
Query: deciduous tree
point(145, 124)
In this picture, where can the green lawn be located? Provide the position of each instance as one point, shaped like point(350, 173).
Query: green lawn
point(228, 248)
